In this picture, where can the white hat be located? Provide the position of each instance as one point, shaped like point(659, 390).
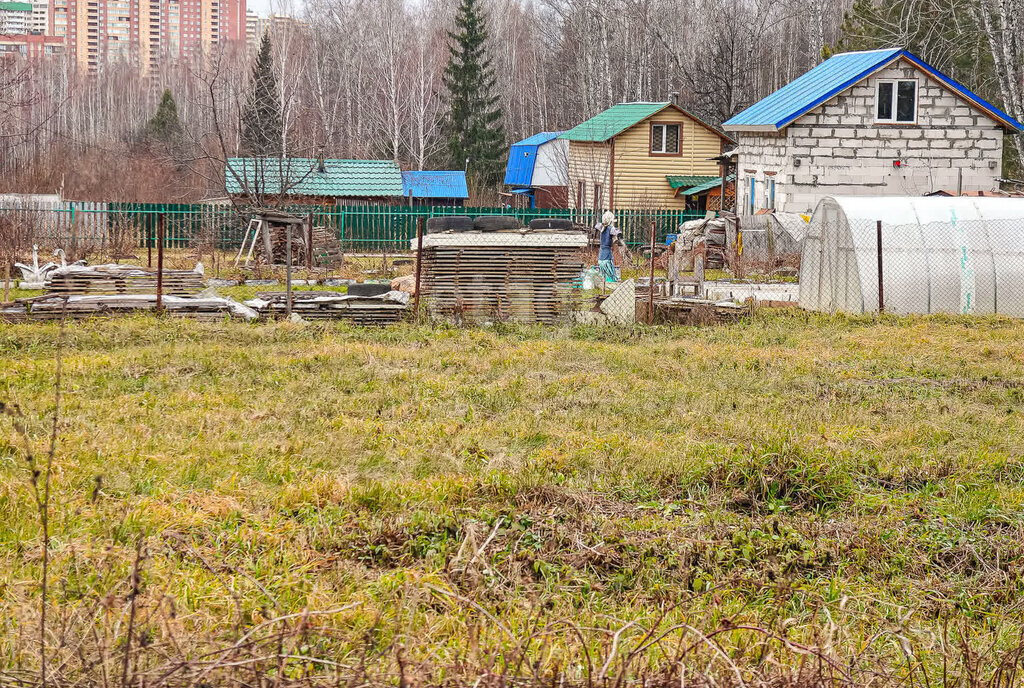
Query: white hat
point(608, 218)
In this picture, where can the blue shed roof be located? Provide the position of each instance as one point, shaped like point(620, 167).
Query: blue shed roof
point(832, 77)
point(522, 157)
point(435, 184)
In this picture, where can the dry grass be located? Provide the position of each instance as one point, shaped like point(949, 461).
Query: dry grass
point(792, 500)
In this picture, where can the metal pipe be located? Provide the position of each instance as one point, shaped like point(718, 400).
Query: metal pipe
point(160, 263)
point(881, 289)
point(650, 284)
point(419, 266)
point(288, 268)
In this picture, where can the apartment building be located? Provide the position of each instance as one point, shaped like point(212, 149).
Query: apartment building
point(144, 32)
point(30, 45)
point(15, 17)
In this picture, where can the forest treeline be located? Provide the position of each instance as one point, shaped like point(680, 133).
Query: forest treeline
point(366, 79)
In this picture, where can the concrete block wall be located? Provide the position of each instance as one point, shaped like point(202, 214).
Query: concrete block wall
point(838, 149)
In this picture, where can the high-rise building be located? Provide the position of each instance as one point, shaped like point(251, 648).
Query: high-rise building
point(30, 45)
point(15, 17)
point(41, 16)
point(275, 24)
point(97, 32)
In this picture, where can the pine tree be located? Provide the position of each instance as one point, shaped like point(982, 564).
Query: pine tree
point(473, 126)
point(164, 126)
point(261, 119)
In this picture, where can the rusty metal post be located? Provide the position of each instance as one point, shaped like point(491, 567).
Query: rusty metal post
point(881, 290)
point(288, 269)
point(419, 266)
point(160, 264)
point(309, 241)
point(650, 284)
point(149, 245)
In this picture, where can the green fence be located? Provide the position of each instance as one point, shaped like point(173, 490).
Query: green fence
point(370, 228)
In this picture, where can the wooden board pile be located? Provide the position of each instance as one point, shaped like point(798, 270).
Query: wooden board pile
point(121, 279)
point(522, 275)
point(384, 309)
point(57, 307)
point(326, 249)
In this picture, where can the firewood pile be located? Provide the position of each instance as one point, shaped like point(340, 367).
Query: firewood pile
point(121, 279)
point(382, 309)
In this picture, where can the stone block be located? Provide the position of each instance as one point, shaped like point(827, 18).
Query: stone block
point(935, 134)
point(918, 144)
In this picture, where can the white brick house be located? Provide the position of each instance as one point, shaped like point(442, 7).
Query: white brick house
point(873, 123)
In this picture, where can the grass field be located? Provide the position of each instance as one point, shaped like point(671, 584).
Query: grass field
point(792, 500)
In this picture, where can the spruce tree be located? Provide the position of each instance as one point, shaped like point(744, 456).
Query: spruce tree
point(261, 119)
point(473, 127)
point(165, 127)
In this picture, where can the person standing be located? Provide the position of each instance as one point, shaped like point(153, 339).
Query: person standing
point(609, 234)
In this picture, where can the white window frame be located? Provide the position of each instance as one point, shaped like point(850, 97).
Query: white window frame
point(664, 138)
point(895, 100)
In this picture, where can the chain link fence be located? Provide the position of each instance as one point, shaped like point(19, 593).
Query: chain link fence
point(543, 266)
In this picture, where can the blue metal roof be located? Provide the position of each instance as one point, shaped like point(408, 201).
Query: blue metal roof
point(832, 77)
point(435, 184)
point(522, 157)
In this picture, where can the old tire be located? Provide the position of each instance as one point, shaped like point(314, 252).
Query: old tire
point(551, 223)
point(454, 223)
point(493, 223)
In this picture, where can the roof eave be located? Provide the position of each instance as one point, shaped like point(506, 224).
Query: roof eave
point(741, 128)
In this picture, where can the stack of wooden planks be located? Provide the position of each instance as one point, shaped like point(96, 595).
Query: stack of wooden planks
point(523, 275)
point(384, 309)
point(121, 279)
point(57, 307)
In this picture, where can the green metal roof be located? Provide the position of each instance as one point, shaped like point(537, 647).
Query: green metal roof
point(302, 177)
point(16, 6)
point(685, 181)
point(711, 183)
point(612, 121)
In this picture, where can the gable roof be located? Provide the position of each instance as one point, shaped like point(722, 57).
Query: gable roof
point(522, 156)
point(832, 77)
point(302, 177)
point(613, 121)
point(435, 184)
point(618, 118)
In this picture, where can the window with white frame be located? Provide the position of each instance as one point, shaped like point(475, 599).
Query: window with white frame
point(665, 139)
point(896, 101)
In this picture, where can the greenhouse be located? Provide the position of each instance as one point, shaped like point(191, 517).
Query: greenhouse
point(937, 254)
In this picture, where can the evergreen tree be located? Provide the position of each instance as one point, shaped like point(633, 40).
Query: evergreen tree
point(164, 126)
point(261, 119)
point(473, 126)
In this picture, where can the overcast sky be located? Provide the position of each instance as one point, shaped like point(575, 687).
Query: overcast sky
point(265, 7)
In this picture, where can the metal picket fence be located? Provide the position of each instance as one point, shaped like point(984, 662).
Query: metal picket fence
point(96, 225)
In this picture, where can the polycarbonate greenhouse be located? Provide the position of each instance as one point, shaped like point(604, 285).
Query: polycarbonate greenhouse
point(938, 255)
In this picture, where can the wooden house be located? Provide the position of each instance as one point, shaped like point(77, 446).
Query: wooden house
point(537, 170)
point(624, 157)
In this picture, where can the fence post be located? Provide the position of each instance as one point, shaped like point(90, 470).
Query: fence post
point(160, 264)
point(419, 266)
point(650, 283)
point(288, 269)
point(309, 241)
point(149, 242)
point(881, 290)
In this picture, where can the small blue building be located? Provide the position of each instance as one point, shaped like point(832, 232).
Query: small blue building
point(437, 188)
point(538, 170)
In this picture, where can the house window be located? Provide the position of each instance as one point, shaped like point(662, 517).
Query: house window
point(598, 199)
point(896, 101)
point(664, 139)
